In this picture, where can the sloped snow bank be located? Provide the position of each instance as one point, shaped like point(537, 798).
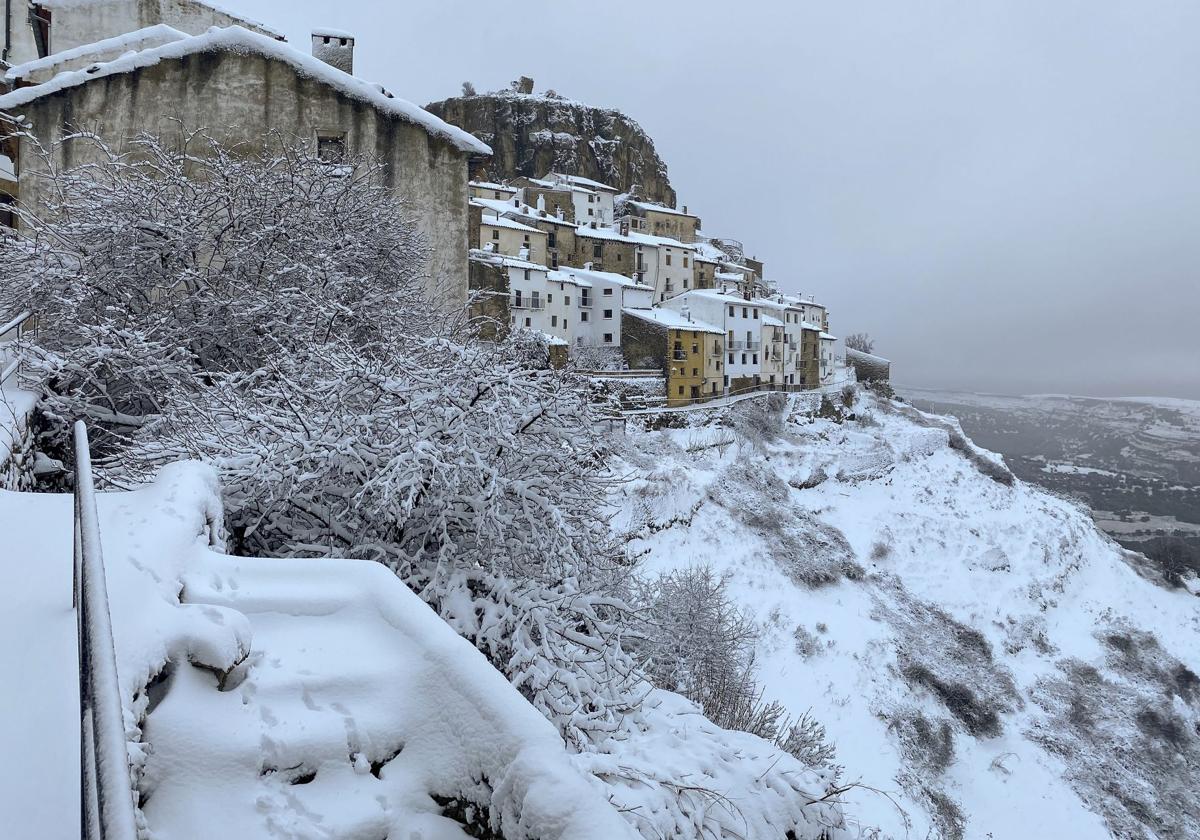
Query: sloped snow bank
point(997, 671)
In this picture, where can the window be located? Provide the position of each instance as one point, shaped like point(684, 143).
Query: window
point(8, 219)
point(685, 262)
point(564, 323)
point(527, 240)
point(755, 311)
point(517, 298)
point(527, 323)
point(331, 148)
point(695, 347)
point(549, 298)
point(608, 313)
point(39, 19)
point(607, 292)
point(685, 282)
point(554, 320)
point(608, 338)
point(495, 234)
point(731, 312)
point(681, 390)
point(552, 239)
point(527, 274)
point(537, 303)
point(730, 358)
point(618, 256)
point(668, 259)
point(743, 358)
point(583, 316)
point(498, 194)
point(591, 212)
point(597, 250)
point(755, 360)
point(745, 314)
point(695, 372)
point(566, 301)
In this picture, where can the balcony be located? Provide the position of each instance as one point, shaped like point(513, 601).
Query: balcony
point(717, 350)
point(585, 302)
point(744, 345)
point(679, 355)
point(527, 303)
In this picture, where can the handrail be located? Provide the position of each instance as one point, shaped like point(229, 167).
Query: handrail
point(106, 794)
point(15, 322)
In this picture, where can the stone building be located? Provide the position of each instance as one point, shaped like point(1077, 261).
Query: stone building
point(606, 250)
point(555, 198)
point(657, 220)
point(688, 352)
point(240, 85)
point(512, 238)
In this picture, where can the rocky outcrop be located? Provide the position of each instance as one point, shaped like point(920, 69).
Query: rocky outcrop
point(532, 135)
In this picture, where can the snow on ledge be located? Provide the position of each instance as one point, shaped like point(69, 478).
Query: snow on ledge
point(237, 39)
point(139, 39)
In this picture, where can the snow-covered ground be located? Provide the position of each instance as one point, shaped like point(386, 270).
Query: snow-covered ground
point(274, 698)
point(987, 662)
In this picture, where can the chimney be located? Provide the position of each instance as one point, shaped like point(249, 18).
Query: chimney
point(335, 48)
point(559, 213)
point(587, 266)
point(685, 208)
point(541, 202)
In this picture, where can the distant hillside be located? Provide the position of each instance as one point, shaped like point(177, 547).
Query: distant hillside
point(534, 134)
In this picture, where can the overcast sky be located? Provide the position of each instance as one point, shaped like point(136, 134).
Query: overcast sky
point(1006, 195)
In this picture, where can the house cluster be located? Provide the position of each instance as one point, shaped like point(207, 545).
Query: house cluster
point(618, 282)
point(634, 285)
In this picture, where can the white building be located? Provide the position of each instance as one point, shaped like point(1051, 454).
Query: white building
point(740, 320)
point(600, 305)
point(828, 358)
point(602, 205)
point(511, 238)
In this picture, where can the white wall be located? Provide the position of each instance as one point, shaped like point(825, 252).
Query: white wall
point(741, 318)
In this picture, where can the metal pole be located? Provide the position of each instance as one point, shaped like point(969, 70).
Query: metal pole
point(106, 758)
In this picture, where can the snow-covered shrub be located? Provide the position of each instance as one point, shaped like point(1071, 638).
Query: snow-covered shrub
point(152, 267)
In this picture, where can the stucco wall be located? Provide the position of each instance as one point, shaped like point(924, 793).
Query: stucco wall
point(239, 97)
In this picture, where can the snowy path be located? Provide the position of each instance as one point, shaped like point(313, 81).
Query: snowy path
point(39, 703)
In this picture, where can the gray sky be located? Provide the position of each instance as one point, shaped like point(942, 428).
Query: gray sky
point(1005, 194)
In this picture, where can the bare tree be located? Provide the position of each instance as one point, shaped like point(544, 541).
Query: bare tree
point(861, 342)
point(468, 89)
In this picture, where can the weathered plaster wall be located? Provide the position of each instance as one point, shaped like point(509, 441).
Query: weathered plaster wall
point(239, 97)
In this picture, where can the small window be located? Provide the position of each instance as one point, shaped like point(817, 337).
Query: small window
point(331, 148)
point(554, 320)
point(695, 371)
point(527, 322)
point(745, 312)
point(566, 300)
point(597, 250)
point(755, 361)
point(583, 316)
point(549, 298)
point(607, 292)
point(681, 390)
point(591, 212)
point(564, 323)
point(608, 313)
point(685, 262)
point(495, 234)
point(527, 239)
point(608, 338)
point(755, 313)
point(668, 259)
point(731, 312)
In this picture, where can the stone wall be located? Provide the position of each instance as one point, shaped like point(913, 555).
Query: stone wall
point(614, 255)
point(490, 294)
point(643, 343)
point(867, 367)
point(238, 97)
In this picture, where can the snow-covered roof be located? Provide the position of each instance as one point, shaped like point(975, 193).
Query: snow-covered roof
point(659, 208)
point(563, 185)
point(632, 237)
point(768, 321)
point(80, 4)
point(585, 182)
point(610, 277)
point(570, 275)
point(236, 39)
point(495, 258)
point(150, 36)
point(501, 222)
point(326, 32)
point(523, 211)
point(488, 185)
point(671, 319)
point(827, 337)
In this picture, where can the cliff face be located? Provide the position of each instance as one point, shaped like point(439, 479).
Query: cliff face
point(532, 135)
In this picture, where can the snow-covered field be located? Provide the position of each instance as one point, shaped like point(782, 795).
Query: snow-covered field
point(987, 662)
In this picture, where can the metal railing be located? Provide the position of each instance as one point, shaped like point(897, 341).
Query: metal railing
point(106, 794)
point(526, 303)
